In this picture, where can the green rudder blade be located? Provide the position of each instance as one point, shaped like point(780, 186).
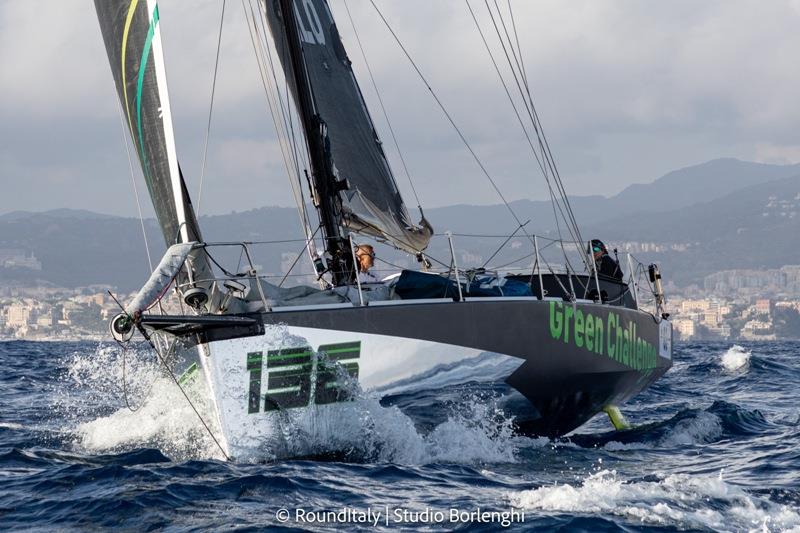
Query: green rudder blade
point(616, 417)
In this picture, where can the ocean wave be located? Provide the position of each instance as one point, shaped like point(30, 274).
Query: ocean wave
point(474, 428)
point(475, 431)
point(115, 400)
point(735, 359)
point(687, 427)
point(678, 500)
point(72, 456)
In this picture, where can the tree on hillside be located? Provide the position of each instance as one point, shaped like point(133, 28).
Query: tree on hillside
point(787, 323)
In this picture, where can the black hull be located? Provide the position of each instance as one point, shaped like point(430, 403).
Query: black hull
point(566, 378)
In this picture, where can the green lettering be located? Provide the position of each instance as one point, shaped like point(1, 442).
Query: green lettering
point(598, 336)
point(254, 392)
point(638, 358)
point(612, 351)
point(556, 319)
point(643, 356)
point(589, 331)
point(568, 314)
point(579, 328)
point(626, 343)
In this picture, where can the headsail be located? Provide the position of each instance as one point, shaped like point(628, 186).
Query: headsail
point(370, 203)
point(133, 42)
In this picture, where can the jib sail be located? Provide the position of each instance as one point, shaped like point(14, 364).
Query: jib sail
point(132, 38)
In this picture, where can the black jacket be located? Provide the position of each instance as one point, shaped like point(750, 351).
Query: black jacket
point(608, 266)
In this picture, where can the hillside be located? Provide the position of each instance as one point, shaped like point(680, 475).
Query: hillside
point(724, 214)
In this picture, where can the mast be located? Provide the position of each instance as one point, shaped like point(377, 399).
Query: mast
point(352, 183)
point(326, 186)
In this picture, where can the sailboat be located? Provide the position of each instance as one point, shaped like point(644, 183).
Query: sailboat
point(561, 346)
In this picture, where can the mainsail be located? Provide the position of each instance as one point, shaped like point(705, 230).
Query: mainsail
point(370, 201)
point(133, 42)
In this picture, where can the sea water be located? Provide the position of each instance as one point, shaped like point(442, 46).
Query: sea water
point(94, 437)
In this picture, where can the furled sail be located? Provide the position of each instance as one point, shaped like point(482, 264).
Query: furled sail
point(132, 38)
point(133, 43)
point(371, 203)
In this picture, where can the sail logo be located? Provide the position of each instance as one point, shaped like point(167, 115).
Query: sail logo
point(299, 377)
point(607, 337)
point(309, 23)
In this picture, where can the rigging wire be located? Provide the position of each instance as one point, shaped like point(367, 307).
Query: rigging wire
point(287, 114)
point(499, 248)
point(135, 189)
point(449, 117)
point(124, 349)
point(297, 259)
point(519, 48)
point(191, 404)
point(568, 216)
point(537, 122)
point(519, 118)
point(555, 204)
point(210, 110)
point(287, 142)
point(383, 108)
point(298, 146)
point(528, 105)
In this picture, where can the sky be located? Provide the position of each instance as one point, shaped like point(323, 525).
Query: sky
point(626, 90)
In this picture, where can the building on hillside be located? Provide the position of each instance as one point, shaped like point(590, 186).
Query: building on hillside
point(758, 330)
point(788, 304)
point(688, 306)
point(14, 258)
point(18, 315)
point(763, 306)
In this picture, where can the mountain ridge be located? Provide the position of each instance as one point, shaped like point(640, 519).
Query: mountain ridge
point(724, 228)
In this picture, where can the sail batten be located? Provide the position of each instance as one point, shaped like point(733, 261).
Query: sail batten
point(367, 195)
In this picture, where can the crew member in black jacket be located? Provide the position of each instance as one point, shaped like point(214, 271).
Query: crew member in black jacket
point(606, 265)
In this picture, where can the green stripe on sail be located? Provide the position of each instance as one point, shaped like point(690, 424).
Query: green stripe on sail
point(148, 43)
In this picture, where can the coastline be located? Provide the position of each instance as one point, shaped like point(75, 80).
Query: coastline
point(54, 338)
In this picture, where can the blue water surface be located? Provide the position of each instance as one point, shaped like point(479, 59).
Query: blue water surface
point(716, 446)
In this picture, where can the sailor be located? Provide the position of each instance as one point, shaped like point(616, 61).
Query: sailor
point(365, 255)
point(605, 264)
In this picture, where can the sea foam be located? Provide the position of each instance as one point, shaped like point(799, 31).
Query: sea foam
point(671, 500)
point(735, 359)
point(475, 431)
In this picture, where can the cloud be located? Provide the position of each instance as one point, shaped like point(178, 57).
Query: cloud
point(626, 91)
point(781, 155)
